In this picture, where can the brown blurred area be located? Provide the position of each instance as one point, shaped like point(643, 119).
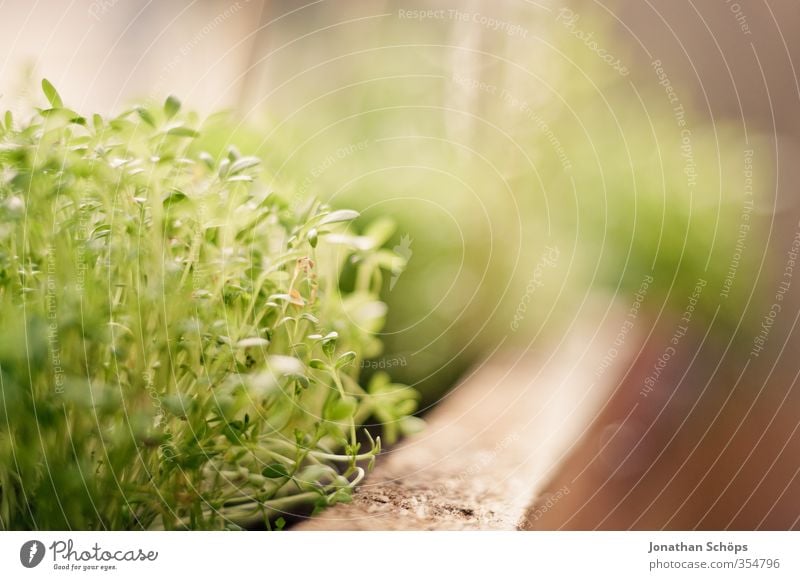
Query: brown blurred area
point(716, 444)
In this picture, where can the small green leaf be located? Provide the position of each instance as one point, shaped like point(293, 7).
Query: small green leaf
point(52, 94)
point(275, 471)
point(316, 363)
point(224, 167)
point(182, 132)
point(311, 318)
point(345, 359)
point(252, 341)
point(246, 178)
point(175, 196)
point(313, 237)
point(342, 215)
point(101, 231)
point(207, 159)
point(302, 381)
point(145, 116)
point(244, 163)
point(285, 320)
point(171, 106)
point(62, 112)
point(342, 409)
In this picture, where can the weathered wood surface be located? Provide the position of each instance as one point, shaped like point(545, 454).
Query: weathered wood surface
point(491, 446)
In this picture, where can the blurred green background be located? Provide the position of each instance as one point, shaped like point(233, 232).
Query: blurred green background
point(523, 173)
point(529, 156)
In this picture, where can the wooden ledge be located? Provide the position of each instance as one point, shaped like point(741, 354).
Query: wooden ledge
point(493, 444)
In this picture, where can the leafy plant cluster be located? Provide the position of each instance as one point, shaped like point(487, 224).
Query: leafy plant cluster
point(178, 349)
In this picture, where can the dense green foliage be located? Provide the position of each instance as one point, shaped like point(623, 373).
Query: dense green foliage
point(177, 350)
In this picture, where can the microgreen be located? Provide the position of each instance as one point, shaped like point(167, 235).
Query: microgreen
point(177, 350)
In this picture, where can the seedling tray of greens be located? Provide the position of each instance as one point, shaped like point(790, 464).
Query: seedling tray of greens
point(181, 340)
